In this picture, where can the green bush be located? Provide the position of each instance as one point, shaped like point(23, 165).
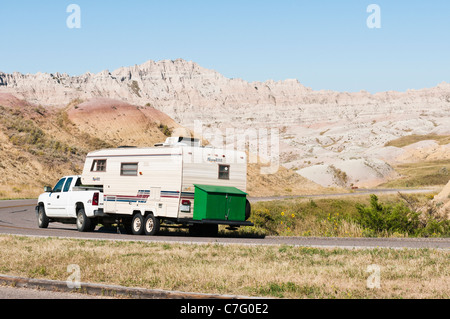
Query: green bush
point(434, 228)
point(165, 130)
point(262, 218)
point(398, 218)
point(392, 218)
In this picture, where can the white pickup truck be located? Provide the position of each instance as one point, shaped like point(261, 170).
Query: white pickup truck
point(69, 202)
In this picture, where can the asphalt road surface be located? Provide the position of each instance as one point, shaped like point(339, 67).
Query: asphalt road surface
point(18, 217)
point(7, 292)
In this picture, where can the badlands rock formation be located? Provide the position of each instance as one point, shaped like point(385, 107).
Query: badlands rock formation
point(323, 134)
point(442, 201)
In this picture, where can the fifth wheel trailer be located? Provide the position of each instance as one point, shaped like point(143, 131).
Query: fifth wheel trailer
point(174, 183)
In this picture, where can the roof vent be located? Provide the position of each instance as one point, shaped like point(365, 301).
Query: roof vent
point(180, 141)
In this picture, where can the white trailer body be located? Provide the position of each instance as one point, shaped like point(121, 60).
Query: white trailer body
point(161, 180)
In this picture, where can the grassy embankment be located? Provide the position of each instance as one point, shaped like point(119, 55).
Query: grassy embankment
point(269, 271)
point(423, 173)
point(37, 147)
point(360, 216)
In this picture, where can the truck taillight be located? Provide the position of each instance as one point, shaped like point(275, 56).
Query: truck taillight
point(95, 199)
point(185, 202)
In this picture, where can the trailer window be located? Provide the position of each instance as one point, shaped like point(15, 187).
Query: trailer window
point(224, 171)
point(98, 166)
point(129, 169)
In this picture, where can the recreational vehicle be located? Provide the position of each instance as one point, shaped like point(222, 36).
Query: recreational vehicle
point(177, 182)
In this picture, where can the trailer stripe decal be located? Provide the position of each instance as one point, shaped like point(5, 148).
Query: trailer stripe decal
point(143, 196)
point(134, 155)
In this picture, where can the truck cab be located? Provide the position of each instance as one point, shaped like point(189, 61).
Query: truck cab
point(70, 202)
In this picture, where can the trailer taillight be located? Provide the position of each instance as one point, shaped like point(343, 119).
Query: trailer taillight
point(95, 199)
point(185, 206)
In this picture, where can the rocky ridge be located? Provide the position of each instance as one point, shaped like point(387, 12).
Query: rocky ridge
point(322, 133)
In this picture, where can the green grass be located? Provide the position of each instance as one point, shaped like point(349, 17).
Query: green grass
point(307, 217)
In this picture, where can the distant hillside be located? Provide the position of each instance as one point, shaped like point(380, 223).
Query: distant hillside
point(333, 138)
point(38, 145)
point(119, 123)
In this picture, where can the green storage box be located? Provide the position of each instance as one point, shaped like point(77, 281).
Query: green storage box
point(219, 203)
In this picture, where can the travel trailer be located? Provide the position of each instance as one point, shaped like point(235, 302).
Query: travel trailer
point(178, 182)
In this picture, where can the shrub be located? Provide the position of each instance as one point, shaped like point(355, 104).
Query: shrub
point(262, 218)
point(135, 88)
point(399, 218)
point(434, 228)
point(165, 130)
point(391, 218)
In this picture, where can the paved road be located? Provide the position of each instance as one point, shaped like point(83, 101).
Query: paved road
point(7, 292)
point(18, 217)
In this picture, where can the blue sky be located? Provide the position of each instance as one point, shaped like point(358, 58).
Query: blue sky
point(323, 44)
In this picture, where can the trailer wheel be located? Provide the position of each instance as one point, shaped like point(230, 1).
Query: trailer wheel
point(152, 225)
point(84, 224)
point(137, 224)
point(248, 210)
point(42, 218)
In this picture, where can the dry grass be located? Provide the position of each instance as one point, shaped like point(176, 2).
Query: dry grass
point(411, 139)
point(19, 191)
point(284, 182)
point(39, 145)
point(421, 174)
point(273, 271)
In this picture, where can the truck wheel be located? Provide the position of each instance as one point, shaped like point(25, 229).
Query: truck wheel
point(152, 225)
point(42, 218)
point(137, 224)
point(84, 224)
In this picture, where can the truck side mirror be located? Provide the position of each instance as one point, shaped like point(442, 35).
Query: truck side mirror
point(47, 189)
